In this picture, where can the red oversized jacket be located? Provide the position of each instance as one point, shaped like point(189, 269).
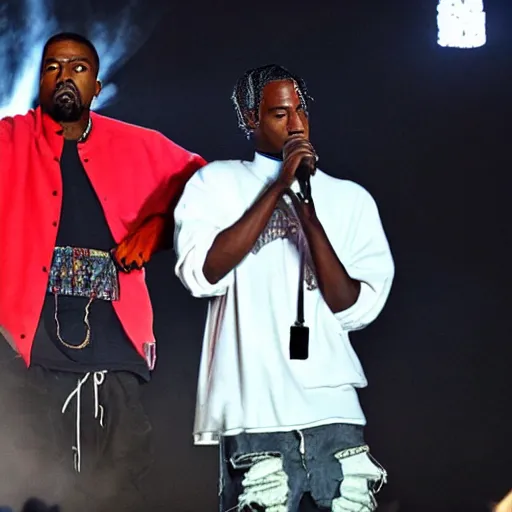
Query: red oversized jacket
point(136, 173)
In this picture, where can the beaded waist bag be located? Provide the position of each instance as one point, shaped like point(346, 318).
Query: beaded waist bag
point(88, 273)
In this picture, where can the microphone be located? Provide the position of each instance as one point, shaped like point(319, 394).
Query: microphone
point(303, 174)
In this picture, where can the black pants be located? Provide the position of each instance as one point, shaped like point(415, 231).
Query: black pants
point(38, 442)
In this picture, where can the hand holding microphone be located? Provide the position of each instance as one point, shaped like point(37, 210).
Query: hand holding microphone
point(299, 162)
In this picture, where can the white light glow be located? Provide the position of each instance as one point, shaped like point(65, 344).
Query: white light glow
point(461, 23)
point(21, 45)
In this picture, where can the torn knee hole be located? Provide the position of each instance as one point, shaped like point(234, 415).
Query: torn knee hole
point(351, 452)
point(358, 463)
point(247, 460)
point(265, 484)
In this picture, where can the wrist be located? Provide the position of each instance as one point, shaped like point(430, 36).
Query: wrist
point(279, 187)
point(310, 222)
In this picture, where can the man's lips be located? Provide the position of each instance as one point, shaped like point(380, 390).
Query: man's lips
point(66, 94)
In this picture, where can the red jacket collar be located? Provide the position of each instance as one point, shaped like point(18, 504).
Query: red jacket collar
point(51, 130)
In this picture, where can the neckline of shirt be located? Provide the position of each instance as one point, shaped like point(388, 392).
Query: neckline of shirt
point(265, 166)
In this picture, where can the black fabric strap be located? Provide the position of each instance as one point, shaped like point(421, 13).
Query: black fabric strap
point(299, 332)
point(300, 298)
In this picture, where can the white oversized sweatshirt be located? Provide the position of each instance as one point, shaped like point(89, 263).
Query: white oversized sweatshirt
point(247, 381)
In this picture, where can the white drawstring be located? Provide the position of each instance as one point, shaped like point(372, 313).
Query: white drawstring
point(98, 380)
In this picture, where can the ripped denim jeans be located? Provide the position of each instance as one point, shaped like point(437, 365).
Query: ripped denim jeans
point(271, 472)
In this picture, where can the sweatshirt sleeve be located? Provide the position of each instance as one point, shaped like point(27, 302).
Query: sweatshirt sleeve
point(199, 217)
point(370, 262)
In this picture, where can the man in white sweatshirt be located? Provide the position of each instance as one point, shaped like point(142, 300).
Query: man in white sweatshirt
point(290, 275)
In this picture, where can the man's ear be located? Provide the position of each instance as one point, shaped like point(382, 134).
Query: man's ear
point(98, 88)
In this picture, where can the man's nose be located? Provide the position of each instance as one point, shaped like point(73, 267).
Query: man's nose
point(64, 73)
point(295, 125)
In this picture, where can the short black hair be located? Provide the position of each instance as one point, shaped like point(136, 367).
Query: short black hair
point(248, 90)
point(72, 36)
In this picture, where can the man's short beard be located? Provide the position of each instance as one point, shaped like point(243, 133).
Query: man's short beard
point(66, 113)
point(67, 103)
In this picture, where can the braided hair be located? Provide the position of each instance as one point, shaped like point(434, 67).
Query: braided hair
point(248, 91)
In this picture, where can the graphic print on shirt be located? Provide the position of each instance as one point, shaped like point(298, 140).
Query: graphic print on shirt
point(284, 224)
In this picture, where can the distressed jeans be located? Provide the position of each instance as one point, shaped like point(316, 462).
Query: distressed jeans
point(272, 472)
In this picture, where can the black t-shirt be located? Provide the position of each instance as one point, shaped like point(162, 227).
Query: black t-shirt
point(83, 225)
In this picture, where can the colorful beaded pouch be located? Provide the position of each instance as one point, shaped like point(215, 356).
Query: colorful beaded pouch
point(86, 273)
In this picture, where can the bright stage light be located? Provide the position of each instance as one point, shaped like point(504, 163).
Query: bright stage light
point(461, 23)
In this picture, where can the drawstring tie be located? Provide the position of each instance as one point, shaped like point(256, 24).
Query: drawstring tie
point(99, 411)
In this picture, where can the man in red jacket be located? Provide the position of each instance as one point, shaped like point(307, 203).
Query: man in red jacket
point(83, 205)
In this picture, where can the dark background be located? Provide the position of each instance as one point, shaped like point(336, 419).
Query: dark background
point(424, 129)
